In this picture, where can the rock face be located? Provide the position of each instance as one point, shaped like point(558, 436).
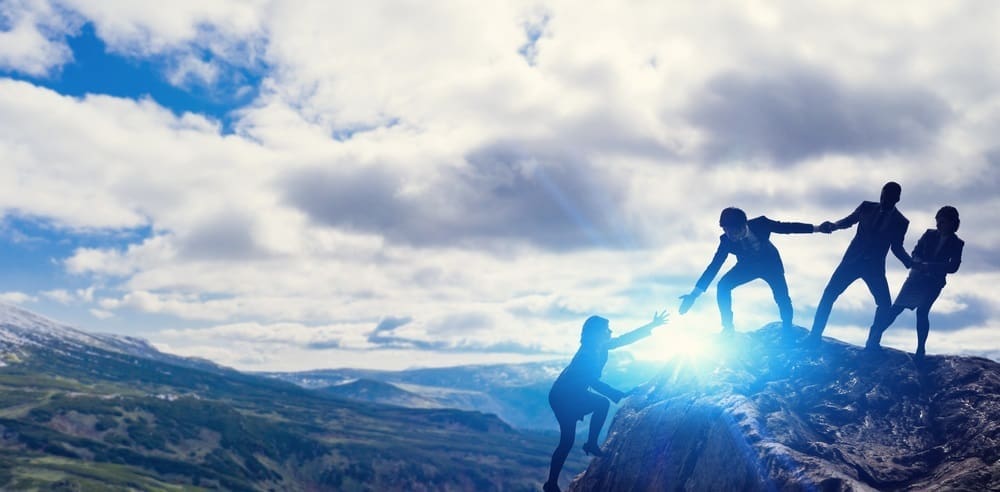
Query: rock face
point(766, 415)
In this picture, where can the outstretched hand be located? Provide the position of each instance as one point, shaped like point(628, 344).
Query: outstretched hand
point(659, 318)
point(687, 300)
point(827, 227)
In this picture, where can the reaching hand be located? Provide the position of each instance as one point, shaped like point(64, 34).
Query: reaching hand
point(659, 318)
point(687, 301)
point(827, 227)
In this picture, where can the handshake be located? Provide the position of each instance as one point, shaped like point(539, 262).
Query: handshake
point(826, 227)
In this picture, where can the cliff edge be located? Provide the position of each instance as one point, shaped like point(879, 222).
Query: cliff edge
point(765, 415)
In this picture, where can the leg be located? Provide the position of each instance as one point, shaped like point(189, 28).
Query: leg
point(779, 288)
point(883, 319)
point(879, 287)
point(600, 406)
point(567, 432)
point(924, 322)
point(842, 278)
point(736, 276)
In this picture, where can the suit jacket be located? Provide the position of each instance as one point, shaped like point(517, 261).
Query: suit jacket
point(756, 249)
point(872, 241)
point(940, 260)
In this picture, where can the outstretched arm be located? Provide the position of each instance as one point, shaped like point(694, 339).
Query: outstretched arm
point(705, 280)
point(849, 220)
point(790, 227)
point(639, 333)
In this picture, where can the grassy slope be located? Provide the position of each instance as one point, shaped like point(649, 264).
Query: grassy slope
point(109, 420)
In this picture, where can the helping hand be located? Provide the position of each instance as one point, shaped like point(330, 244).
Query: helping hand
point(827, 227)
point(659, 318)
point(687, 301)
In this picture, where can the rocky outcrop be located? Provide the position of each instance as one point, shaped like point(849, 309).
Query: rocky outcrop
point(767, 415)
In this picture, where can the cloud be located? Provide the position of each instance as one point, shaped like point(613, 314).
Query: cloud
point(32, 37)
point(795, 113)
point(501, 192)
point(17, 297)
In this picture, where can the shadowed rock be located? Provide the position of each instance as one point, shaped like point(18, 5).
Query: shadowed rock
point(763, 415)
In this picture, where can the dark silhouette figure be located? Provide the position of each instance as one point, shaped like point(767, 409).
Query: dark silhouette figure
point(880, 227)
point(756, 257)
point(571, 397)
point(937, 253)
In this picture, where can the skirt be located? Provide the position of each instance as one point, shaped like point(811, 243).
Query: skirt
point(917, 290)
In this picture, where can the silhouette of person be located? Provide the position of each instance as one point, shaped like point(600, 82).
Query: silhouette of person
point(937, 253)
point(571, 397)
point(880, 227)
point(756, 257)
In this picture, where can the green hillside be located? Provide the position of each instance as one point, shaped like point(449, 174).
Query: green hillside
point(103, 420)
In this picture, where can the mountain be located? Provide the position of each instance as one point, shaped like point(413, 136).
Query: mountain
point(768, 416)
point(95, 412)
point(517, 393)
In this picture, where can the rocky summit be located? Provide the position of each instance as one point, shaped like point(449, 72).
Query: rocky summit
point(764, 413)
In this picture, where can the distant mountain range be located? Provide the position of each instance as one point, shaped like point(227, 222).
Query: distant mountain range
point(517, 393)
point(80, 411)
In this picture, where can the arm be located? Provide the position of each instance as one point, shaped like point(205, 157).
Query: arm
point(713, 268)
point(607, 390)
point(687, 300)
point(948, 266)
point(850, 220)
point(790, 227)
point(897, 247)
point(638, 333)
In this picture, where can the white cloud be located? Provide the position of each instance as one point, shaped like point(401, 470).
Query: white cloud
point(17, 297)
point(432, 117)
point(32, 37)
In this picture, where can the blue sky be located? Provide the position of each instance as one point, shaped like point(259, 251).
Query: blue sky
point(384, 185)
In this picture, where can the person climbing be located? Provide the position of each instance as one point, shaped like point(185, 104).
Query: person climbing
point(756, 257)
point(573, 393)
point(881, 226)
point(937, 253)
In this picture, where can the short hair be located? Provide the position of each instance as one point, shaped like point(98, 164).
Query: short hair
point(593, 326)
point(950, 213)
point(732, 217)
point(893, 187)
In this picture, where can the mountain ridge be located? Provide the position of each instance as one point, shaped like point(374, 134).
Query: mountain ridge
point(764, 415)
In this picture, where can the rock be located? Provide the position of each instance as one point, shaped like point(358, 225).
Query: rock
point(765, 414)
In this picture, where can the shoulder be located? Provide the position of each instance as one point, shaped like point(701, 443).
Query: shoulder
point(759, 220)
point(866, 204)
point(959, 241)
point(900, 217)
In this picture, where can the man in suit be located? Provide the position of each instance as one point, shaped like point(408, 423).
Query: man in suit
point(937, 253)
point(756, 257)
point(880, 227)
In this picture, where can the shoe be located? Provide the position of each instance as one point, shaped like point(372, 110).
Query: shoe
point(873, 349)
point(593, 449)
point(550, 487)
point(812, 341)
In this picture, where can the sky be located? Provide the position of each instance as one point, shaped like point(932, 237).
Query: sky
point(390, 184)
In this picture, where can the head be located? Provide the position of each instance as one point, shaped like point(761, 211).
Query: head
point(890, 195)
point(947, 219)
point(595, 330)
point(733, 222)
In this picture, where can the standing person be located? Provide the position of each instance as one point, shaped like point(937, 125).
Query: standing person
point(937, 253)
point(756, 257)
point(880, 227)
point(571, 397)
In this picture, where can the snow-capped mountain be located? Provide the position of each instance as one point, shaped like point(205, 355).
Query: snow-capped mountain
point(21, 331)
